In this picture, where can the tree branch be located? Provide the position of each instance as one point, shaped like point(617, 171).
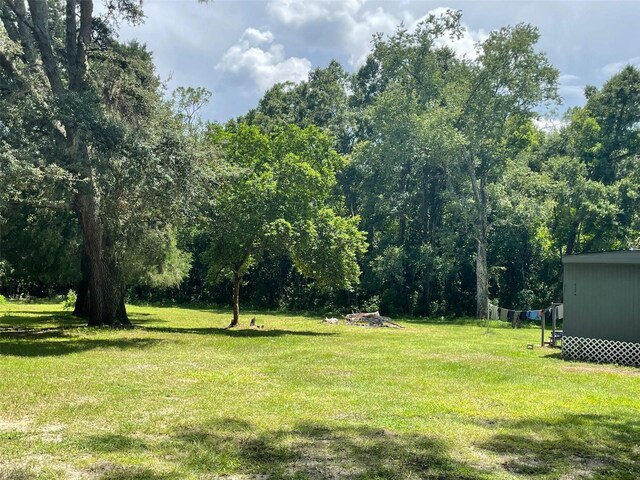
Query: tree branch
point(39, 14)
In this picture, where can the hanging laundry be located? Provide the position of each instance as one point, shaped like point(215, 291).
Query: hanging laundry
point(560, 312)
point(534, 315)
point(504, 314)
point(517, 318)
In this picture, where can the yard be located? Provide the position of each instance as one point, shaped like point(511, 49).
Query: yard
point(181, 397)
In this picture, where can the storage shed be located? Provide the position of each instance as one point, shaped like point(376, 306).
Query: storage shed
point(602, 307)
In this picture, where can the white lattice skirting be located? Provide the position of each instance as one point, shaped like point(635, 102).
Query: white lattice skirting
point(601, 351)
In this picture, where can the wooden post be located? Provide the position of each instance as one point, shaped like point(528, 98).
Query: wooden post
point(488, 308)
point(542, 323)
point(553, 325)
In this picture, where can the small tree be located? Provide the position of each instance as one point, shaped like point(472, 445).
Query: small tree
point(277, 199)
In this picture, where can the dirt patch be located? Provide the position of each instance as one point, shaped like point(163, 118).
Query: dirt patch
point(21, 425)
point(584, 468)
point(33, 466)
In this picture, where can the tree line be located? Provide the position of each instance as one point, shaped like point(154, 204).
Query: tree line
point(420, 184)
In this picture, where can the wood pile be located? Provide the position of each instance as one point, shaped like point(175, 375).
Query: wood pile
point(371, 319)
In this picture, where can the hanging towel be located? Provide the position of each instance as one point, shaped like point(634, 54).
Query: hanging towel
point(504, 314)
point(534, 315)
point(560, 312)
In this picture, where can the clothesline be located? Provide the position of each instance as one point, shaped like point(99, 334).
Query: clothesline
point(555, 312)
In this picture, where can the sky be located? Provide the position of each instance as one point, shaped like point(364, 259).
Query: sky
point(237, 49)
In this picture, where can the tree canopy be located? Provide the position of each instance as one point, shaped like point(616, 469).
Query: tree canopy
point(421, 183)
point(277, 199)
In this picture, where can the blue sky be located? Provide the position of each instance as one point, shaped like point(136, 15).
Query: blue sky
point(237, 49)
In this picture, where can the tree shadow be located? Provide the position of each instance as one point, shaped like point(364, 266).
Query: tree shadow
point(308, 450)
point(593, 446)
point(54, 312)
point(28, 333)
point(112, 471)
point(52, 343)
point(240, 333)
point(29, 318)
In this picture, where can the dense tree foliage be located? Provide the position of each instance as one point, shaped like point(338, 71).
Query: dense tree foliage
point(86, 130)
point(108, 186)
point(276, 200)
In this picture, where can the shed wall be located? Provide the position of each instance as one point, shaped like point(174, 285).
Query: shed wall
point(602, 301)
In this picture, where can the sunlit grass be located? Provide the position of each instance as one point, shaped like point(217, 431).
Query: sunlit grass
point(181, 397)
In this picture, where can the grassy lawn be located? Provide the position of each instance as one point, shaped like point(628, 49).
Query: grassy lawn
point(180, 397)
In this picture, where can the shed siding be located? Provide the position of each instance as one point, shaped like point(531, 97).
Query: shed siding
point(602, 301)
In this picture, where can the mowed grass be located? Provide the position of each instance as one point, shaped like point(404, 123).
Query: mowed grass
point(181, 397)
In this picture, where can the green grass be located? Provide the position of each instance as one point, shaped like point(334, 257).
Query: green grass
point(181, 397)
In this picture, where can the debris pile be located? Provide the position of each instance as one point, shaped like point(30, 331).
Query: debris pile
point(372, 319)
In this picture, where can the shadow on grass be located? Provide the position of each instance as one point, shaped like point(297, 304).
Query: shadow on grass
point(240, 333)
point(112, 471)
point(27, 313)
point(582, 446)
point(52, 342)
point(28, 319)
point(593, 446)
point(234, 447)
point(555, 354)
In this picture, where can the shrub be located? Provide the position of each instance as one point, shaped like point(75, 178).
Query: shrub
point(69, 300)
point(2, 299)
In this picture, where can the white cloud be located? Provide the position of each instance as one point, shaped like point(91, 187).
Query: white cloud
point(353, 26)
point(360, 32)
point(263, 66)
point(253, 36)
point(614, 67)
point(465, 46)
point(300, 12)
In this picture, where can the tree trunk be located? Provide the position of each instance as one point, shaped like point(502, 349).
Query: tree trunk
point(82, 307)
point(87, 212)
point(482, 272)
point(236, 300)
point(115, 290)
point(105, 292)
point(478, 186)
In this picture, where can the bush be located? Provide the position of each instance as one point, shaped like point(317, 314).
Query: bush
point(2, 299)
point(69, 300)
